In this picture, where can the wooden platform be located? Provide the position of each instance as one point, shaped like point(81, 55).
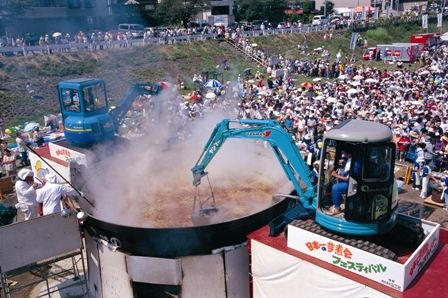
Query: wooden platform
point(435, 202)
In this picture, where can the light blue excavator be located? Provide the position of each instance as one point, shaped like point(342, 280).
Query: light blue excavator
point(369, 200)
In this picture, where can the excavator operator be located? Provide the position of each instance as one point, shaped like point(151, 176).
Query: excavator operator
point(341, 177)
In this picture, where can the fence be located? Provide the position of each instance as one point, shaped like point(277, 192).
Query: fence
point(101, 45)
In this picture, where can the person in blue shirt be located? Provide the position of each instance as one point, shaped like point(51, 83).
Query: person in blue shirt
point(424, 177)
point(315, 173)
point(416, 182)
point(338, 188)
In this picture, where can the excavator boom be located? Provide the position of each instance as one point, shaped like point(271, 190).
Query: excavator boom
point(281, 142)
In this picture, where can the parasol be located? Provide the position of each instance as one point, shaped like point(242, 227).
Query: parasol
point(331, 99)
point(306, 84)
point(30, 126)
point(352, 91)
point(213, 84)
point(210, 95)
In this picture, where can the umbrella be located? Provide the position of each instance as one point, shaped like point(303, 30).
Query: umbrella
point(131, 2)
point(435, 68)
point(254, 45)
point(358, 78)
point(397, 73)
point(164, 85)
point(355, 83)
point(395, 87)
point(352, 91)
point(342, 77)
point(444, 36)
point(30, 126)
point(319, 97)
point(417, 102)
point(331, 100)
point(57, 34)
point(317, 79)
point(306, 84)
point(213, 84)
point(210, 95)
point(370, 80)
point(424, 73)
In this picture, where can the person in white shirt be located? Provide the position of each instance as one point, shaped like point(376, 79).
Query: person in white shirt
point(50, 195)
point(21, 146)
point(26, 193)
point(9, 162)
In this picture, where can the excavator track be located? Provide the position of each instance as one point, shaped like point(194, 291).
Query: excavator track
point(365, 245)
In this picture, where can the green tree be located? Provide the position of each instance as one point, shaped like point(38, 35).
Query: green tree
point(308, 6)
point(330, 6)
point(179, 11)
point(294, 18)
point(264, 10)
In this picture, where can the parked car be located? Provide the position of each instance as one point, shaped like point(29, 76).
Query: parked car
point(136, 30)
point(319, 20)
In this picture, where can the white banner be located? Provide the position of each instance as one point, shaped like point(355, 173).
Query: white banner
point(353, 40)
point(439, 20)
point(66, 154)
point(276, 273)
point(425, 21)
point(392, 274)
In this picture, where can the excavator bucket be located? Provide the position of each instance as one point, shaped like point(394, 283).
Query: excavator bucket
point(203, 211)
point(203, 207)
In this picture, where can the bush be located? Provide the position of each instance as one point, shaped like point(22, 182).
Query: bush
point(379, 34)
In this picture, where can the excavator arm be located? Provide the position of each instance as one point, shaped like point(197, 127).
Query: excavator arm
point(119, 112)
point(281, 142)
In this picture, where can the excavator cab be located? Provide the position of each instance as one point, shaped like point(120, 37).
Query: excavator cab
point(362, 153)
point(84, 109)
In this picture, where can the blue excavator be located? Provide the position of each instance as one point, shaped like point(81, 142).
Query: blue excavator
point(87, 115)
point(369, 202)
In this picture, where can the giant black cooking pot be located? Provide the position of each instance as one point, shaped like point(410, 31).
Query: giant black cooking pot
point(182, 241)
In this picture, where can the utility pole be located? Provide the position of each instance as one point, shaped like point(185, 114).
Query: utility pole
point(325, 8)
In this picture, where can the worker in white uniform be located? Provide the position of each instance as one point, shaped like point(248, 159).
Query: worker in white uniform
point(26, 193)
point(51, 194)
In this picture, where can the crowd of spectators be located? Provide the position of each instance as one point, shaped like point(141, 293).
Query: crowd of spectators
point(97, 40)
point(413, 104)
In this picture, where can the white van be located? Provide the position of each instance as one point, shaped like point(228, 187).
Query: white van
point(136, 30)
point(319, 20)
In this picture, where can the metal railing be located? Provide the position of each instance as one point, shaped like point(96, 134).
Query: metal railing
point(101, 45)
point(306, 28)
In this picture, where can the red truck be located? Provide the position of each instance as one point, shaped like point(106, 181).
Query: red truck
point(426, 39)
